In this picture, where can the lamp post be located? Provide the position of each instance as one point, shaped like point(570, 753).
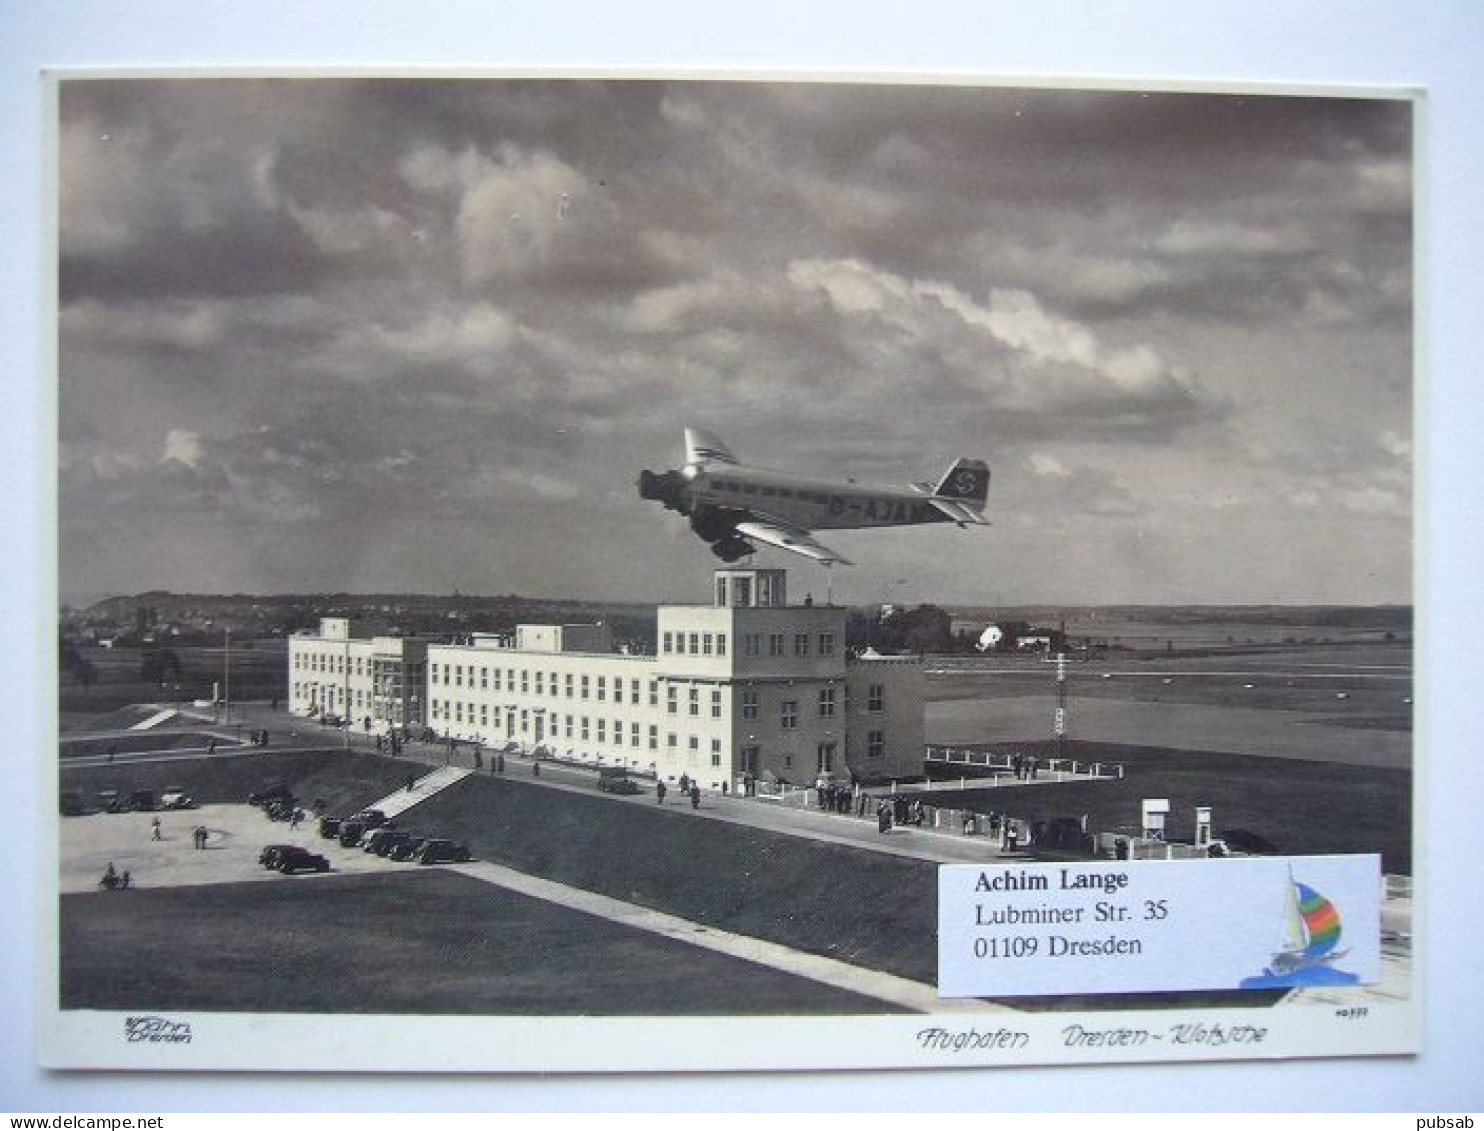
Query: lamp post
point(227, 677)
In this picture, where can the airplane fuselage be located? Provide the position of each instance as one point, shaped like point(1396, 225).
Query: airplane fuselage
point(816, 504)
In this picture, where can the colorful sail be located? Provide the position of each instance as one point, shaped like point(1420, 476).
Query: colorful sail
point(1321, 921)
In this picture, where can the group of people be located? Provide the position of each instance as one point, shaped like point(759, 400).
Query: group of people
point(838, 798)
point(199, 835)
point(258, 737)
point(688, 788)
point(113, 880)
point(1025, 766)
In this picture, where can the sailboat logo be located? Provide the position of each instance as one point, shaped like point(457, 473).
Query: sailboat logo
point(1311, 933)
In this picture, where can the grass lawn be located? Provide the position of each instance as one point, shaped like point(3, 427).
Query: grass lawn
point(428, 941)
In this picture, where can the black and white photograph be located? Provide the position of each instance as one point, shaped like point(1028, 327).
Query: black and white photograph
point(581, 556)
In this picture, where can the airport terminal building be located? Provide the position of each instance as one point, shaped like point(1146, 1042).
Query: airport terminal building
point(748, 685)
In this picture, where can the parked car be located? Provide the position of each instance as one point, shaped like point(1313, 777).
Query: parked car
point(296, 859)
point(372, 818)
point(351, 832)
point(268, 858)
point(409, 848)
point(112, 801)
point(175, 797)
point(436, 851)
point(615, 779)
point(380, 840)
point(144, 801)
point(329, 827)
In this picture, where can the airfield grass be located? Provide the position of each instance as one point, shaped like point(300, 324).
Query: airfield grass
point(425, 942)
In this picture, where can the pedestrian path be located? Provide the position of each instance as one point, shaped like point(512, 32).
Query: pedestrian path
point(888, 988)
point(423, 788)
point(156, 719)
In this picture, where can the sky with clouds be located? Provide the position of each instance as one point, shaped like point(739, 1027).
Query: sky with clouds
point(327, 335)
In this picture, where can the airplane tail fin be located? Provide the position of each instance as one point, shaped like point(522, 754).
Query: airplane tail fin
point(967, 480)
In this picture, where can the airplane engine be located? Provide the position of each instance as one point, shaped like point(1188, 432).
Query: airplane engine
point(713, 525)
point(732, 548)
point(667, 488)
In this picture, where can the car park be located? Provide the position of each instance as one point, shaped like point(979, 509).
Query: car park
point(292, 858)
point(437, 851)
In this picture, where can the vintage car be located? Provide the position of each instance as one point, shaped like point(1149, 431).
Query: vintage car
point(615, 779)
point(269, 857)
point(272, 793)
point(438, 851)
point(175, 797)
point(292, 858)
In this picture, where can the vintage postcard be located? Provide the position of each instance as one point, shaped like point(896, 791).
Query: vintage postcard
point(635, 574)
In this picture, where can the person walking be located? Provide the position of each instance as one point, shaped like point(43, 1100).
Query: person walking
point(659, 792)
point(155, 832)
point(883, 817)
point(695, 796)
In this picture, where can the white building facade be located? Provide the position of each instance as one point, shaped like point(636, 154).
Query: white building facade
point(373, 683)
point(747, 686)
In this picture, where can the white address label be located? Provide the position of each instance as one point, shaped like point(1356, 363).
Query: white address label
point(1139, 926)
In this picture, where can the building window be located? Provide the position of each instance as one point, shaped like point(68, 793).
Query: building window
point(695, 643)
point(617, 732)
point(716, 702)
point(497, 679)
point(825, 757)
point(602, 730)
point(721, 643)
point(432, 672)
point(634, 692)
point(584, 686)
point(775, 644)
point(458, 675)
point(752, 644)
point(602, 688)
point(751, 755)
point(540, 688)
point(801, 644)
point(789, 714)
point(875, 695)
point(826, 702)
point(672, 702)
point(484, 679)
point(670, 742)
point(654, 737)
point(693, 744)
point(826, 643)
point(569, 685)
point(654, 693)
point(584, 728)
point(484, 715)
point(618, 689)
point(668, 646)
point(567, 726)
point(633, 734)
point(875, 743)
point(706, 642)
point(695, 701)
point(525, 681)
point(749, 703)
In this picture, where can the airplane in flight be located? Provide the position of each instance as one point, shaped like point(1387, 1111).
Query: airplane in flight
point(734, 507)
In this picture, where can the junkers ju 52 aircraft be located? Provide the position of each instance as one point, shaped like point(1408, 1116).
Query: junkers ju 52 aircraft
point(733, 506)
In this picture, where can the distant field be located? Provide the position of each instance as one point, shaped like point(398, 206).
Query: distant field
point(259, 671)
